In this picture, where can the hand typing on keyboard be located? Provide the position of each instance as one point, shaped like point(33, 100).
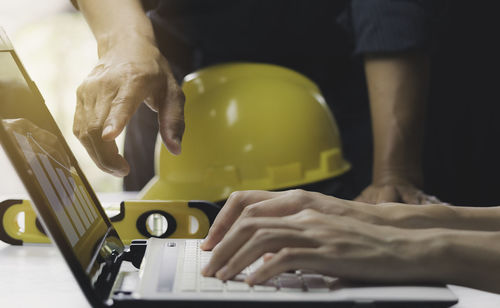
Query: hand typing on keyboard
point(311, 231)
point(194, 259)
point(246, 204)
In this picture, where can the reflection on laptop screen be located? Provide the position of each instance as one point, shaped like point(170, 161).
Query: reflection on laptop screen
point(47, 167)
point(65, 193)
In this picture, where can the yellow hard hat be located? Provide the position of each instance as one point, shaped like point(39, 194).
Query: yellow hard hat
point(248, 126)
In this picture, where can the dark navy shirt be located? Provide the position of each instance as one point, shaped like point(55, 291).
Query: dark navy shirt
point(269, 29)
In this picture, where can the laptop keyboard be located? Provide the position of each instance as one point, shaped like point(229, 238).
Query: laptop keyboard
point(195, 259)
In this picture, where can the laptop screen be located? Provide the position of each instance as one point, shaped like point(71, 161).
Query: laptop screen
point(63, 198)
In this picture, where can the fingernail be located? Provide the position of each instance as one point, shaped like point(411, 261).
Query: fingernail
point(268, 256)
point(222, 273)
point(206, 240)
point(250, 279)
point(107, 130)
point(205, 271)
point(178, 142)
point(121, 172)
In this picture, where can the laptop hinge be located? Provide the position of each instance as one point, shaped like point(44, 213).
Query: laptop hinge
point(136, 252)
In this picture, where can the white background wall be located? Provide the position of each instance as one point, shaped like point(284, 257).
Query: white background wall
point(58, 50)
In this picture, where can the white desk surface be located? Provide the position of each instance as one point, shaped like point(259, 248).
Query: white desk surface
point(37, 276)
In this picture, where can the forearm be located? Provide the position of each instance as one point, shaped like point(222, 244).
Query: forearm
point(441, 216)
point(397, 87)
point(115, 20)
point(467, 258)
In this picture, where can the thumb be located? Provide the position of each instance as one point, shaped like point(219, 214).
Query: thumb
point(171, 120)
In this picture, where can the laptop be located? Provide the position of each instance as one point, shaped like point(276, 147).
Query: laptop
point(155, 272)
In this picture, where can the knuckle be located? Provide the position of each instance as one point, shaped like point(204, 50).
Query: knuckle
point(310, 213)
point(247, 225)
point(316, 233)
point(103, 84)
point(136, 73)
point(89, 85)
point(309, 216)
point(328, 250)
point(106, 81)
point(343, 247)
point(337, 248)
point(263, 235)
point(296, 192)
point(287, 254)
point(299, 195)
point(236, 196)
point(127, 69)
point(250, 211)
point(139, 77)
point(120, 100)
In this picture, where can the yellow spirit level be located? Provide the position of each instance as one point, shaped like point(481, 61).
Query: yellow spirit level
point(139, 219)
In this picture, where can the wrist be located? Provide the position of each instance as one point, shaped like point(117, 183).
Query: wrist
point(405, 174)
point(115, 21)
point(465, 258)
point(123, 40)
point(421, 254)
point(435, 255)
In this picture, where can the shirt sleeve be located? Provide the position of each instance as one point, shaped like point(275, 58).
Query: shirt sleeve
point(385, 26)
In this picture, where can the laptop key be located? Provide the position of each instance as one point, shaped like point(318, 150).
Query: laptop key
point(240, 277)
point(189, 268)
point(254, 266)
point(267, 286)
point(188, 287)
point(211, 284)
point(315, 283)
point(205, 257)
point(259, 288)
point(237, 286)
point(290, 283)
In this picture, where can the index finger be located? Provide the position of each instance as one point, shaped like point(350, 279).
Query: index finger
point(238, 236)
point(107, 154)
point(122, 107)
point(88, 127)
point(235, 204)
